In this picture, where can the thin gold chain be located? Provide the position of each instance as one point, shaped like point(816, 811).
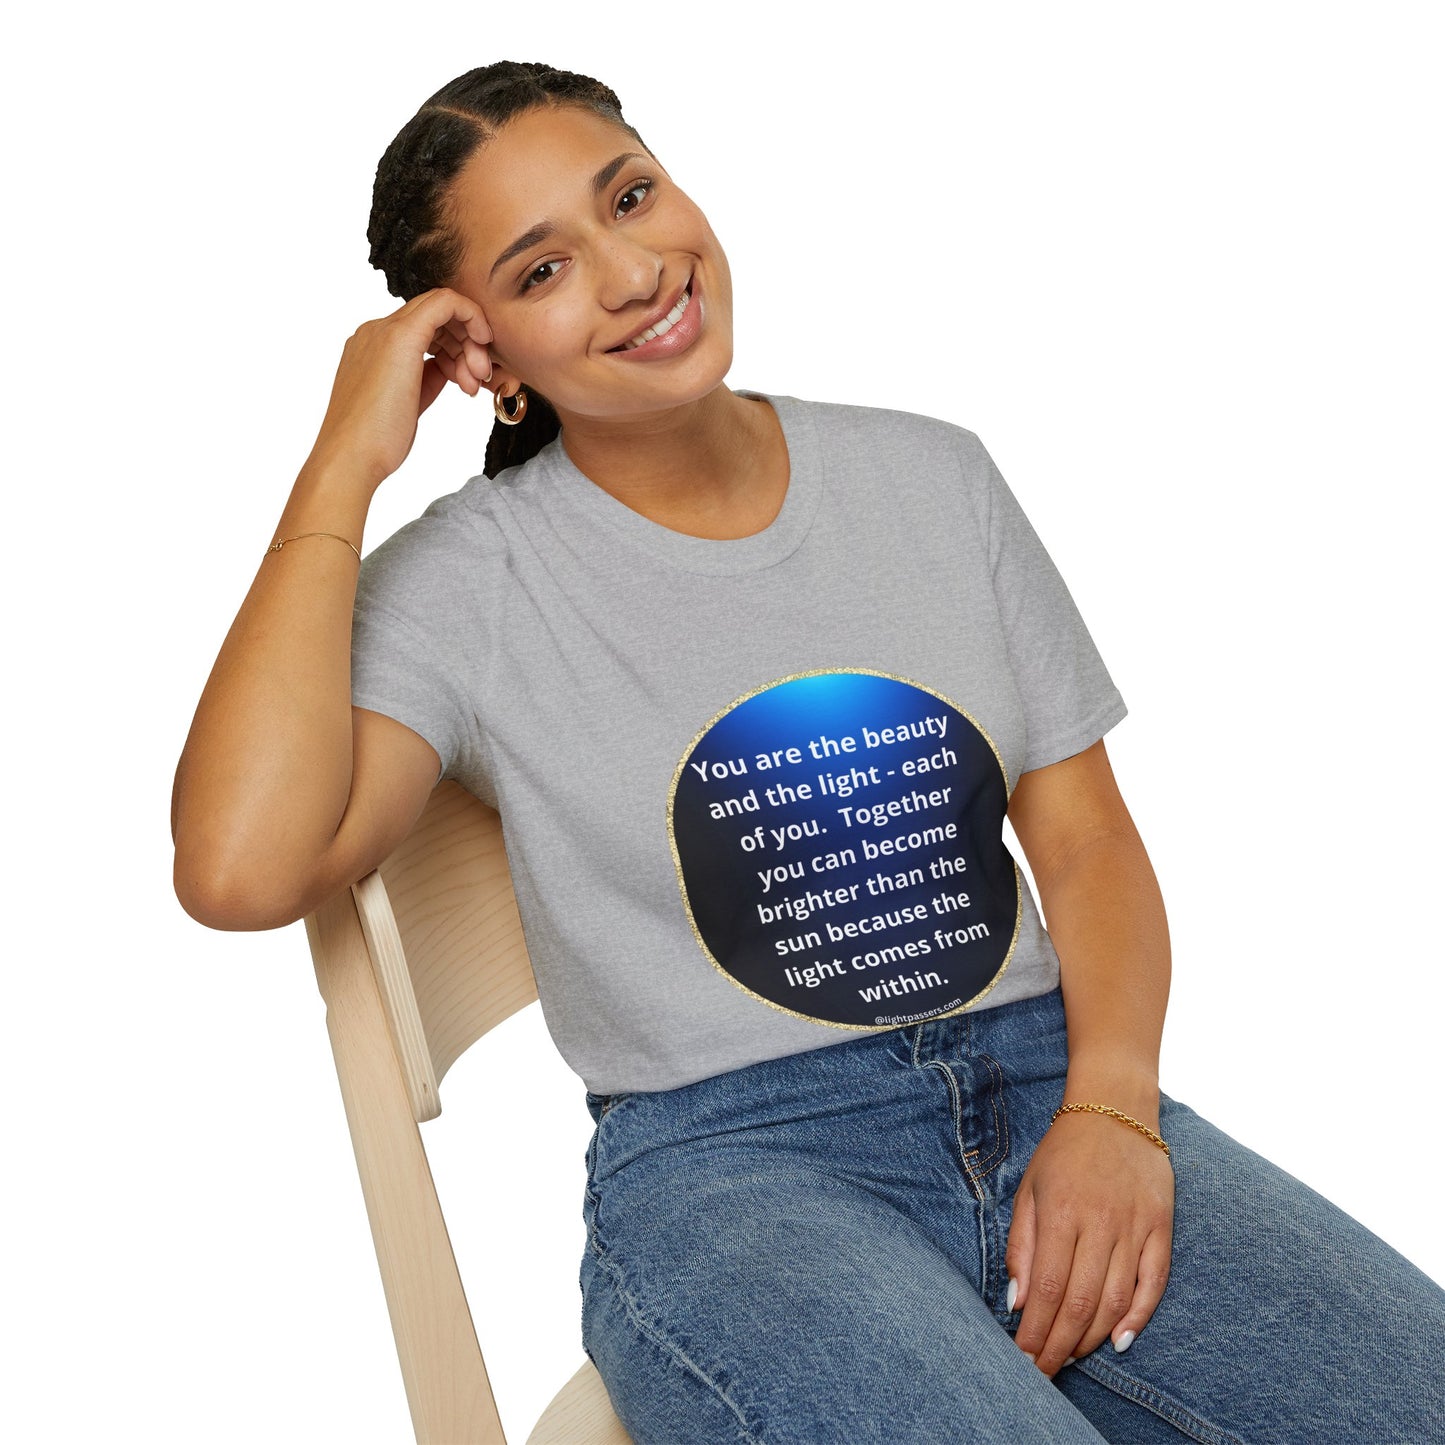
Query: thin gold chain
point(277, 546)
point(1143, 1129)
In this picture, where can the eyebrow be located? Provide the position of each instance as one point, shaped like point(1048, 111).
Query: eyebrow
point(543, 229)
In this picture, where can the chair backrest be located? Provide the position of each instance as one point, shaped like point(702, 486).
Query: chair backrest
point(416, 962)
point(441, 922)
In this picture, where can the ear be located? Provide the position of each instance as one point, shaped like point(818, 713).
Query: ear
point(504, 380)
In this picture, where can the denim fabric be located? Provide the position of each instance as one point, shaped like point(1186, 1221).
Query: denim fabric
point(812, 1250)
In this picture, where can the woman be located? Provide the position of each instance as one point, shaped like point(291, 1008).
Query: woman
point(752, 682)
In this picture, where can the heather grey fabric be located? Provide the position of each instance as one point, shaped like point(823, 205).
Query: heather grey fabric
point(582, 668)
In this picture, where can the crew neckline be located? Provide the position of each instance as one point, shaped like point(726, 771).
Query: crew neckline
point(777, 541)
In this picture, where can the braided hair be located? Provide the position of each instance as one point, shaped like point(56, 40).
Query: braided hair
point(413, 241)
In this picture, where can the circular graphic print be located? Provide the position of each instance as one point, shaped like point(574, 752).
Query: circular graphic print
point(838, 841)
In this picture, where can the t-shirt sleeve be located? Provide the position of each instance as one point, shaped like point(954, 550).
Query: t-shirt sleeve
point(1069, 699)
point(398, 666)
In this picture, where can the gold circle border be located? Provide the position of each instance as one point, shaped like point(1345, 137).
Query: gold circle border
point(682, 881)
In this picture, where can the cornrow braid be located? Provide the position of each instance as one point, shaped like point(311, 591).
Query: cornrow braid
point(412, 240)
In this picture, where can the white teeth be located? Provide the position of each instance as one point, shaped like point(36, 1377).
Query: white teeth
point(663, 326)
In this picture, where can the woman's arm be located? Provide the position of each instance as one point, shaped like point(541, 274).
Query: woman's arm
point(1090, 1241)
point(284, 792)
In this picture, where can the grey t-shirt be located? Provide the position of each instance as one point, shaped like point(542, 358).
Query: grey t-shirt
point(752, 790)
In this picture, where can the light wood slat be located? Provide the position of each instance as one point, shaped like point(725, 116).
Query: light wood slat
point(416, 962)
point(580, 1414)
point(451, 890)
point(378, 925)
point(441, 1362)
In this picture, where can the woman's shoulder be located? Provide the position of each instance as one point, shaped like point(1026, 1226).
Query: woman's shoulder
point(913, 453)
point(471, 521)
point(442, 547)
point(884, 429)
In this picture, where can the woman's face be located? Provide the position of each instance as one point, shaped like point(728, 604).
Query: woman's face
point(576, 244)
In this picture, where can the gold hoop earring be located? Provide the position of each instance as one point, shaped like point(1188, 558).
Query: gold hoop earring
point(499, 405)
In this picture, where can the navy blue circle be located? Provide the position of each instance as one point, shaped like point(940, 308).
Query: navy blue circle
point(838, 839)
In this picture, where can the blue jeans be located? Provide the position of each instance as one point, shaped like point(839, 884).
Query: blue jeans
point(812, 1250)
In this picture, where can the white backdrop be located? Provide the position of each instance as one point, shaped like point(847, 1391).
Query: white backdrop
point(1179, 268)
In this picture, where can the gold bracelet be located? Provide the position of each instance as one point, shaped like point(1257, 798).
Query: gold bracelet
point(277, 546)
point(1144, 1129)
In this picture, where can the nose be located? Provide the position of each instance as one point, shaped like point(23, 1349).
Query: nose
point(628, 272)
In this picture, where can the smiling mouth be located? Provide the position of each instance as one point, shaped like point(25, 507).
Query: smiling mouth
point(659, 328)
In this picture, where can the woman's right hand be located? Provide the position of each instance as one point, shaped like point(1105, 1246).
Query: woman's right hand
point(391, 370)
point(284, 792)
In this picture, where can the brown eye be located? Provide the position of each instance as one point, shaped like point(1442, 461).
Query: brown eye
point(633, 197)
point(544, 272)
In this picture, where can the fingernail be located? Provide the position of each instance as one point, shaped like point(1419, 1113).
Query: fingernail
point(1071, 1359)
point(1032, 1359)
point(1013, 1294)
point(1124, 1341)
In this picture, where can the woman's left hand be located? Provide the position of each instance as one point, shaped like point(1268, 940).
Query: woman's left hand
point(1089, 1246)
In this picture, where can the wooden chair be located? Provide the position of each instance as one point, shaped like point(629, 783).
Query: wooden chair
point(416, 962)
